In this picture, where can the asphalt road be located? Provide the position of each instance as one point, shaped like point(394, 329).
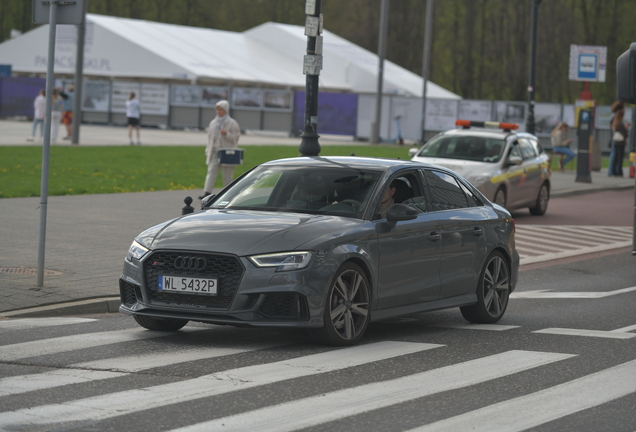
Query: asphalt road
point(607, 208)
point(557, 361)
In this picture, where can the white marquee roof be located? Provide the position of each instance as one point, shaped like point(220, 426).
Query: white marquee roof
point(268, 55)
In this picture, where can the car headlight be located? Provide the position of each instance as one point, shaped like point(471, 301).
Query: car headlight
point(284, 261)
point(478, 180)
point(136, 251)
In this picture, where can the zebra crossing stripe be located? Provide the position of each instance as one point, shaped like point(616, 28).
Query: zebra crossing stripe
point(130, 401)
point(336, 405)
point(546, 405)
point(75, 342)
point(26, 323)
point(589, 333)
point(26, 383)
point(114, 367)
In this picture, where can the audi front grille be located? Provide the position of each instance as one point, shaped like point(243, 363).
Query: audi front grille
point(227, 269)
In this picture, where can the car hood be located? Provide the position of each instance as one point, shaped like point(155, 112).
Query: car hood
point(242, 232)
point(462, 167)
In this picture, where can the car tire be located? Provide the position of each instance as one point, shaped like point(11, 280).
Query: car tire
point(500, 197)
point(346, 314)
point(160, 324)
point(541, 205)
point(493, 292)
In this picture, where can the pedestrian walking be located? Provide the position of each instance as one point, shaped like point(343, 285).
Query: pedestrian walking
point(561, 144)
point(133, 114)
point(619, 139)
point(57, 109)
point(39, 112)
point(223, 133)
point(67, 115)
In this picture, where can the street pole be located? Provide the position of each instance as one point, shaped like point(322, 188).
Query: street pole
point(384, 27)
point(46, 144)
point(533, 58)
point(312, 63)
point(79, 76)
point(428, 31)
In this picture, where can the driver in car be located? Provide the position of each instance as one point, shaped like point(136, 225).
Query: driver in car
point(387, 200)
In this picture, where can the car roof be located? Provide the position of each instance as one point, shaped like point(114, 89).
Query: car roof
point(487, 133)
point(355, 162)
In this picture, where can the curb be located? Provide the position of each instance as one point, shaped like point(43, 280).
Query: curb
point(80, 307)
point(590, 189)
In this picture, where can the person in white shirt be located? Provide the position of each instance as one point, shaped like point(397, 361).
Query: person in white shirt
point(133, 113)
point(39, 108)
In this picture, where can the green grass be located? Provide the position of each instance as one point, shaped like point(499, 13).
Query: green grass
point(91, 170)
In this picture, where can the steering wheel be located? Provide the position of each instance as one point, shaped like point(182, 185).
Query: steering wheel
point(355, 205)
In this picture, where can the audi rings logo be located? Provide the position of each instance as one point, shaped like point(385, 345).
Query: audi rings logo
point(190, 263)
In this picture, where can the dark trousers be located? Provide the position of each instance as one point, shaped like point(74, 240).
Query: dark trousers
point(617, 162)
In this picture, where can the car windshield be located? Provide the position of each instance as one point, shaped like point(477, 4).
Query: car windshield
point(340, 191)
point(473, 148)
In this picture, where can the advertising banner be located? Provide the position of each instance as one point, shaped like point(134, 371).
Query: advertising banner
point(154, 99)
point(120, 92)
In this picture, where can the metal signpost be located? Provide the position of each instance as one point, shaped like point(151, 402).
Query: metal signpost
point(530, 124)
point(47, 12)
point(428, 30)
point(384, 27)
point(79, 77)
point(312, 64)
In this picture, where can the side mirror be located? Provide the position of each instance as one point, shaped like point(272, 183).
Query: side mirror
point(413, 151)
point(514, 160)
point(401, 212)
point(207, 201)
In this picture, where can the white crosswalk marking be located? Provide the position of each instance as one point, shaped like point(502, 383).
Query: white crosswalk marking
point(335, 405)
point(126, 402)
point(473, 326)
point(26, 383)
point(546, 405)
point(71, 343)
point(114, 367)
point(25, 323)
point(539, 243)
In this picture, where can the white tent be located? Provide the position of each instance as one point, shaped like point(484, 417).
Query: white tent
point(270, 55)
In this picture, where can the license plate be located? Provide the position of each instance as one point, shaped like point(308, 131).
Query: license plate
point(179, 284)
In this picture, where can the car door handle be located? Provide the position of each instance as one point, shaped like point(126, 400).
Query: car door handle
point(478, 231)
point(434, 236)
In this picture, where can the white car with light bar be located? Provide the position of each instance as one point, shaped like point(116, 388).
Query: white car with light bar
point(510, 168)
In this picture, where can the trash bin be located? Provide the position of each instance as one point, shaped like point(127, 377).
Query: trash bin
point(632, 165)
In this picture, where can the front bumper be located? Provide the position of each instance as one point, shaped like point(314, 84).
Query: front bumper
point(247, 295)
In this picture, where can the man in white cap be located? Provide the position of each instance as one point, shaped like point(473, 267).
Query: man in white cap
point(223, 133)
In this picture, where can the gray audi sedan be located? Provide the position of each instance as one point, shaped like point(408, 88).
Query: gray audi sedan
point(327, 244)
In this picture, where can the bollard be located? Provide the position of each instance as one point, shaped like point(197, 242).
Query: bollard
point(187, 208)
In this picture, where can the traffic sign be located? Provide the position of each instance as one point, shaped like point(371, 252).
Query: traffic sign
point(588, 63)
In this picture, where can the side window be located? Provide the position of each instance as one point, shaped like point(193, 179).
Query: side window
point(404, 189)
point(515, 150)
point(446, 193)
point(527, 149)
point(473, 200)
point(537, 146)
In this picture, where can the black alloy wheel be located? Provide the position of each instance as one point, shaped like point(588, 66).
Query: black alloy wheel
point(160, 324)
point(493, 292)
point(346, 315)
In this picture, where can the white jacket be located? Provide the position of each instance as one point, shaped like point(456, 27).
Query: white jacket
point(229, 140)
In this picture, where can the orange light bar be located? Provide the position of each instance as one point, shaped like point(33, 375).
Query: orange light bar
point(486, 124)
